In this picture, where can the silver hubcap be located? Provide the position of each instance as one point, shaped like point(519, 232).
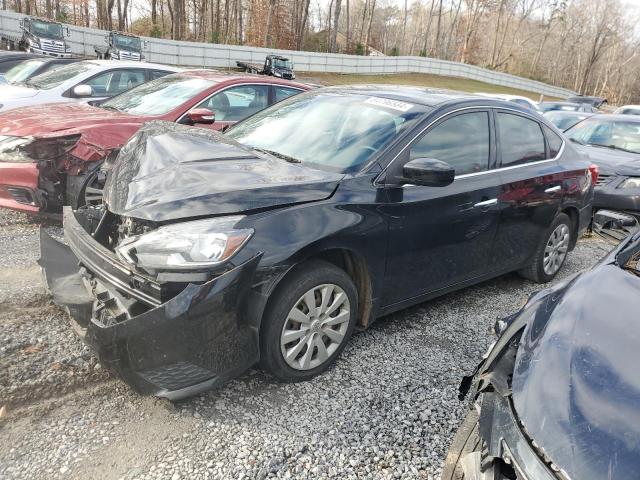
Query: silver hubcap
point(556, 249)
point(315, 327)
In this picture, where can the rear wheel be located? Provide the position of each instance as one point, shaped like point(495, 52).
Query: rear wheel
point(551, 252)
point(309, 321)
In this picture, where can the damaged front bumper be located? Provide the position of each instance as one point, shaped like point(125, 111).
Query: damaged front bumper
point(19, 187)
point(171, 348)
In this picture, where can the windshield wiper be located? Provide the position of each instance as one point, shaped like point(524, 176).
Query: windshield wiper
point(109, 107)
point(612, 147)
point(278, 155)
point(575, 140)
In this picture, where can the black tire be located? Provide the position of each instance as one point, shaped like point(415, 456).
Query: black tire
point(466, 440)
point(299, 281)
point(535, 270)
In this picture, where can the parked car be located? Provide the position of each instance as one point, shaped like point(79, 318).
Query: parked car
point(613, 143)
point(564, 120)
point(8, 60)
point(71, 140)
point(557, 396)
point(90, 80)
point(27, 69)
point(627, 110)
point(595, 102)
point(567, 107)
point(519, 99)
point(271, 243)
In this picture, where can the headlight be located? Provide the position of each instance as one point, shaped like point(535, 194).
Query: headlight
point(115, 56)
point(189, 245)
point(11, 149)
point(277, 74)
point(632, 182)
point(28, 149)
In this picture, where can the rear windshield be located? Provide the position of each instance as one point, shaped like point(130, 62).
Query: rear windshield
point(22, 71)
point(58, 76)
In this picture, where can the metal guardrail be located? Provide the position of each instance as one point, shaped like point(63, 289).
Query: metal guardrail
point(82, 41)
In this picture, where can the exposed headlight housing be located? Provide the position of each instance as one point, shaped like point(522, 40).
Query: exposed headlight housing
point(631, 182)
point(188, 245)
point(29, 149)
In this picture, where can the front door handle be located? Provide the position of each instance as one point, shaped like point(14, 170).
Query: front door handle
point(486, 203)
point(555, 189)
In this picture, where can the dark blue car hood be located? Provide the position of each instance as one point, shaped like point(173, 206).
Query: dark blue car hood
point(576, 383)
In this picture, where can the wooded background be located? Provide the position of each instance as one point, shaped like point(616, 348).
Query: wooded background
point(590, 46)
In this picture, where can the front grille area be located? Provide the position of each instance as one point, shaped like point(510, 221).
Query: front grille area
point(177, 375)
point(52, 46)
point(603, 179)
point(129, 55)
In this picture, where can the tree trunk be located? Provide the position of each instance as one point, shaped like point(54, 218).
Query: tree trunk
point(267, 33)
point(334, 33)
point(366, 42)
point(348, 47)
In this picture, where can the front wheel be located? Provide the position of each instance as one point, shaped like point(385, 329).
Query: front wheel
point(308, 322)
point(551, 252)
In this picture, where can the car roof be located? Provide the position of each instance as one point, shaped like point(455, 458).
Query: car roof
point(134, 63)
point(231, 76)
point(569, 113)
point(618, 116)
point(406, 93)
point(628, 106)
point(5, 55)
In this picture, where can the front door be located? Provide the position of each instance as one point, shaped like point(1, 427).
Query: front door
point(441, 236)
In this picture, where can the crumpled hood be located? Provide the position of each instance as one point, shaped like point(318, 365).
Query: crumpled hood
point(576, 386)
point(13, 92)
point(75, 117)
point(168, 172)
point(612, 161)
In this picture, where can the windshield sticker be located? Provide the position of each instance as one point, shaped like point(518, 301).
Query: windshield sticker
point(385, 102)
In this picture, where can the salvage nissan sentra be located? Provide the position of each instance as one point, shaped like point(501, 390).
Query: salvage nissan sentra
point(268, 245)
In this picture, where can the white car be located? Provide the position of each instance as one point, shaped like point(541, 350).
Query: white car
point(627, 110)
point(90, 80)
point(519, 99)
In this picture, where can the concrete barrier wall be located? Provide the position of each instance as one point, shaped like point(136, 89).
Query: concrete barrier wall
point(82, 41)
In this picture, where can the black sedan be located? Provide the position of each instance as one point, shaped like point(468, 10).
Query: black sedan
point(613, 143)
point(272, 243)
point(558, 395)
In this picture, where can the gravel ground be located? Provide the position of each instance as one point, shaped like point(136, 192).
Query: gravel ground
point(387, 409)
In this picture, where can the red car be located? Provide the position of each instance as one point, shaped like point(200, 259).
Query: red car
point(46, 152)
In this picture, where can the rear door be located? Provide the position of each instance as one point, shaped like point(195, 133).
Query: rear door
point(532, 187)
point(442, 236)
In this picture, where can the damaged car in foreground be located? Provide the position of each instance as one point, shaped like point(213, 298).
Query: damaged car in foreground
point(268, 245)
point(558, 395)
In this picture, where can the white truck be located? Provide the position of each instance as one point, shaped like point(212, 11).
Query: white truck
point(39, 36)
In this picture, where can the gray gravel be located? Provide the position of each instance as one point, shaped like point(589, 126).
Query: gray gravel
point(387, 409)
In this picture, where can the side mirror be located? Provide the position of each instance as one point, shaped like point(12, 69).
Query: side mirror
point(82, 91)
point(202, 116)
point(68, 32)
point(428, 172)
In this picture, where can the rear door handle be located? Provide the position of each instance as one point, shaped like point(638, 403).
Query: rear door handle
point(555, 189)
point(486, 203)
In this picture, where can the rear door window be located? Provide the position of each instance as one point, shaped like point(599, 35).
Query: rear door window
point(461, 141)
point(521, 139)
